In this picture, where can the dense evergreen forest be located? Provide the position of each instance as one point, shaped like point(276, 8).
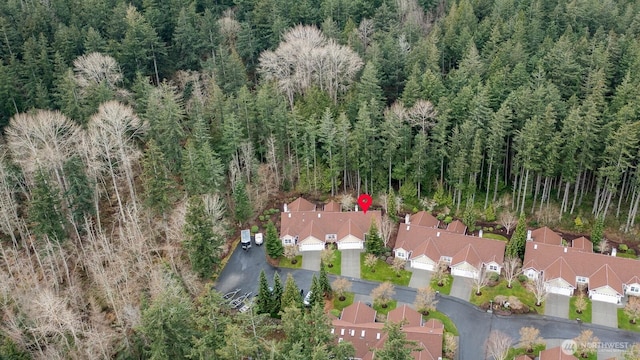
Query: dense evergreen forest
point(136, 135)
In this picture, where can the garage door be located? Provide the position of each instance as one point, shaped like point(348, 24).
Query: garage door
point(350, 245)
point(560, 290)
point(604, 297)
point(311, 247)
point(463, 273)
point(421, 265)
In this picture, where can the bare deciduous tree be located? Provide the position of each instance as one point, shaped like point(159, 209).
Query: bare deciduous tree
point(425, 300)
point(497, 345)
point(539, 289)
point(450, 347)
point(511, 267)
point(387, 227)
point(580, 304)
point(422, 115)
point(530, 337)
point(508, 220)
point(340, 286)
point(370, 262)
point(95, 69)
point(398, 265)
point(515, 303)
point(440, 275)
point(365, 31)
point(585, 342)
point(632, 308)
point(632, 353)
point(346, 202)
point(290, 252)
point(306, 58)
point(481, 279)
point(328, 255)
point(383, 294)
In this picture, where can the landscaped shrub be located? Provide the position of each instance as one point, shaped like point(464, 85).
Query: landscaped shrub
point(494, 277)
point(448, 220)
point(254, 229)
point(522, 278)
point(261, 217)
point(623, 247)
point(490, 228)
point(478, 228)
point(631, 252)
point(441, 216)
point(498, 227)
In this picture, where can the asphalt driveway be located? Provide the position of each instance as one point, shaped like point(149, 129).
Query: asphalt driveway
point(419, 278)
point(242, 270)
point(557, 305)
point(311, 260)
point(350, 263)
point(461, 288)
point(604, 313)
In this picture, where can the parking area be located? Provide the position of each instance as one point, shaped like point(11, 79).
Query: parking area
point(604, 313)
point(557, 305)
point(461, 288)
point(242, 270)
point(419, 278)
point(351, 263)
point(311, 260)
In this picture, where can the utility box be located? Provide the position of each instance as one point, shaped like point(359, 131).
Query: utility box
point(245, 239)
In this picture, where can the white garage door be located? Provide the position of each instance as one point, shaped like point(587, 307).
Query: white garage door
point(560, 290)
point(604, 297)
point(350, 245)
point(311, 247)
point(421, 265)
point(463, 273)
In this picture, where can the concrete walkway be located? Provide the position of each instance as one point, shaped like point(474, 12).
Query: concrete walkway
point(461, 288)
point(311, 260)
point(604, 313)
point(351, 263)
point(557, 305)
point(419, 278)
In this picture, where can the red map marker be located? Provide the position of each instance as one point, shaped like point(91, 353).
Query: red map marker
point(365, 201)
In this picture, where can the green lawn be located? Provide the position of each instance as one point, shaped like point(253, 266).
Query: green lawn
point(449, 326)
point(489, 293)
point(390, 306)
point(513, 352)
point(383, 272)
point(445, 289)
point(623, 322)
point(336, 269)
point(585, 316)
point(286, 263)
point(625, 255)
point(494, 236)
point(339, 305)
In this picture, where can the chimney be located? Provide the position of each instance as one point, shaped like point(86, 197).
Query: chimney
point(614, 251)
point(286, 208)
point(406, 218)
point(565, 249)
point(356, 208)
point(480, 233)
point(529, 235)
point(438, 234)
point(535, 246)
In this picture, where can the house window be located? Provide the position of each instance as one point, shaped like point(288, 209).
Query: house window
point(446, 259)
point(400, 254)
point(288, 241)
point(330, 237)
point(634, 289)
point(581, 279)
point(493, 267)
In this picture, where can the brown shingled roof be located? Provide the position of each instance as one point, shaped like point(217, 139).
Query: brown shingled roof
point(555, 353)
point(560, 269)
point(405, 312)
point(605, 276)
point(469, 255)
point(358, 313)
point(332, 206)
point(301, 204)
point(582, 244)
point(457, 227)
point(297, 223)
point(415, 239)
point(546, 235)
point(424, 218)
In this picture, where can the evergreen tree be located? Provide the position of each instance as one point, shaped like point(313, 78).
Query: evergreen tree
point(317, 293)
point(156, 180)
point(243, 210)
point(264, 298)
point(324, 281)
point(396, 347)
point(291, 294)
point(79, 194)
point(275, 249)
point(202, 171)
point(210, 320)
point(203, 245)
point(373, 243)
point(165, 114)
point(276, 296)
point(597, 233)
point(44, 210)
point(517, 244)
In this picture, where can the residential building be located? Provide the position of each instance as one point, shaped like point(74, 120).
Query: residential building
point(555, 353)
point(302, 225)
point(357, 324)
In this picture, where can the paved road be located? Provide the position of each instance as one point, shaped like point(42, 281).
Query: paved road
point(557, 305)
point(473, 324)
point(461, 288)
point(351, 263)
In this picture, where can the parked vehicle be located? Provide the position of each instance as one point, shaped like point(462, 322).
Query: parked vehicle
point(259, 239)
point(245, 239)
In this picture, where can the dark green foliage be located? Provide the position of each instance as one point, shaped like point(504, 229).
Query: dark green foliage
point(202, 243)
point(275, 249)
point(469, 217)
point(373, 243)
point(516, 245)
point(276, 296)
point(324, 281)
point(317, 293)
point(156, 181)
point(243, 210)
point(263, 300)
point(291, 294)
point(80, 191)
point(396, 347)
point(10, 350)
point(597, 233)
point(45, 212)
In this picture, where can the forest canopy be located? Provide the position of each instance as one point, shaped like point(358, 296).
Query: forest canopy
point(137, 134)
